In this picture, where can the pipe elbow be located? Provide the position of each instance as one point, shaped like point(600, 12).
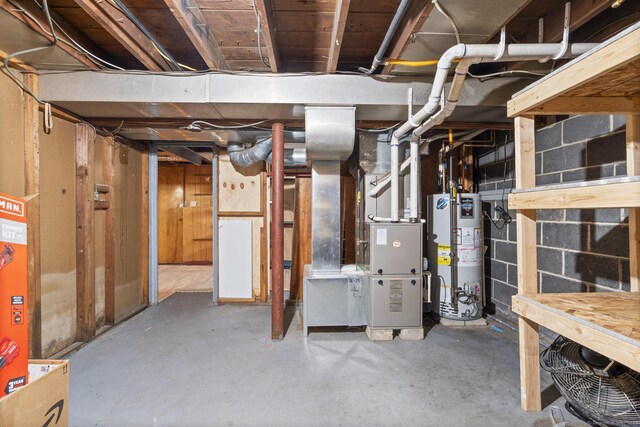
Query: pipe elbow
point(454, 52)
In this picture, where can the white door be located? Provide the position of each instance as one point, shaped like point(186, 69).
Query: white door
point(235, 259)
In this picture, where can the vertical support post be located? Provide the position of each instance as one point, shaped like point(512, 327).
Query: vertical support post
point(85, 262)
point(108, 172)
point(633, 169)
point(215, 224)
point(153, 224)
point(32, 187)
point(144, 229)
point(525, 167)
point(277, 233)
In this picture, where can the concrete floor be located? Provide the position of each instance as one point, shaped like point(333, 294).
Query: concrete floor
point(188, 363)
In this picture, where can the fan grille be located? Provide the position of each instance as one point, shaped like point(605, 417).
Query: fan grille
point(610, 397)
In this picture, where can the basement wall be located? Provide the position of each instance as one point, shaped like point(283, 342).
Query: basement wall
point(579, 250)
point(58, 219)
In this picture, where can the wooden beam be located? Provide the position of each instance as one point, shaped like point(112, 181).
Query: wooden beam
point(195, 27)
point(186, 154)
point(85, 261)
point(9, 8)
point(620, 194)
point(109, 17)
point(144, 229)
point(599, 63)
point(418, 12)
point(587, 105)
point(582, 11)
point(301, 251)
point(525, 157)
point(108, 173)
point(268, 33)
point(31, 129)
point(633, 169)
point(339, 24)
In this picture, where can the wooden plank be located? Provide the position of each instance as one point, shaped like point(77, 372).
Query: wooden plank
point(348, 219)
point(268, 32)
point(144, 228)
point(339, 23)
point(527, 264)
point(85, 262)
point(606, 322)
point(413, 20)
point(195, 27)
point(32, 190)
point(633, 169)
point(586, 105)
point(301, 251)
point(108, 174)
point(623, 195)
point(583, 70)
point(128, 35)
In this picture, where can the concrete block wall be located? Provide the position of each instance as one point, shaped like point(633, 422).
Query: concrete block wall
point(578, 249)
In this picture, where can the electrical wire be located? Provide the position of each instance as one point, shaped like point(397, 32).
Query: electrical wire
point(380, 130)
point(196, 125)
point(48, 120)
point(502, 73)
point(446, 15)
point(259, 32)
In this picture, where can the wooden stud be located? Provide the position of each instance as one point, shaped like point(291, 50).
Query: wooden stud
point(268, 33)
point(587, 105)
point(525, 158)
point(109, 17)
point(339, 24)
point(32, 188)
point(144, 229)
point(633, 169)
point(85, 262)
point(418, 12)
point(264, 268)
point(108, 172)
point(194, 25)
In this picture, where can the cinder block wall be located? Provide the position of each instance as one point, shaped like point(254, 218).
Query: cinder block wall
point(578, 249)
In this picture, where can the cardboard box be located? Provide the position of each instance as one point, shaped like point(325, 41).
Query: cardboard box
point(14, 316)
point(44, 401)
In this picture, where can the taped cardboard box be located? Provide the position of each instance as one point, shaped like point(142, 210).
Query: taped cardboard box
point(44, 401)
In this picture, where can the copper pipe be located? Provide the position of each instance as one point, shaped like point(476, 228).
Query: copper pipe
point(277, 232)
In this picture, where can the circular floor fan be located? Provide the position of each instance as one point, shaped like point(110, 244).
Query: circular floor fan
point(596, 388)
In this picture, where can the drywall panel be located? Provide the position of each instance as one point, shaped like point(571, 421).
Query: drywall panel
point(99, 230)
point(11, 138)
point(239, 188)
point(58, 236)
point(236, 259)
point(170, 199)
point(128, 203)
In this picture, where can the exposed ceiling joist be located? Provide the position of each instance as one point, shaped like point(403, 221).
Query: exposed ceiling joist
point(268, 33)
point(122, 29)
point(185, 153)
point(582, 11)
point(339, 24)
point(8, 7)
point(415, 16)
point(195, 27)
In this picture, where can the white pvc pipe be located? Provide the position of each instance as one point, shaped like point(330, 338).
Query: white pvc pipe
point(394, 178)
point(471, 54)
point(413, 197)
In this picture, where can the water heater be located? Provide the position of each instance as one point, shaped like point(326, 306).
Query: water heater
point(455, 251)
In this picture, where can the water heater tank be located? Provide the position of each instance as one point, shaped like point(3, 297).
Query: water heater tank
point(455, 252)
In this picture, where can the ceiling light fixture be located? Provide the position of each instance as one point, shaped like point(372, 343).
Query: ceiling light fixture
point(616, 3)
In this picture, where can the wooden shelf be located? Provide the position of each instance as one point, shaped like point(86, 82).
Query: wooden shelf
point(621, 192)
point(605, 80)
point(607, 322)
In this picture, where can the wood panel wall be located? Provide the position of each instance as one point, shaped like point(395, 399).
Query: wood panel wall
point(56, 325)
point(170, 219)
